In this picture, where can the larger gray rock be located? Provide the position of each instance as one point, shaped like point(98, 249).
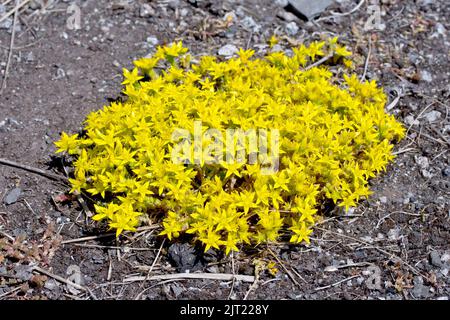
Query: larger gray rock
point(308, 9)
point(13, 196)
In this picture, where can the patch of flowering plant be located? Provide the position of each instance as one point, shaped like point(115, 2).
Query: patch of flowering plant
point(233, 152)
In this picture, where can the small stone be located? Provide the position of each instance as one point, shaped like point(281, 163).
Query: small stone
point(228, 50)
point(435, 259)
point(213, 269)
point(307, 9)
point(411, 121)
point(105, 29)
point(281, 3)
point(51, 285)
point(146, 11)
point(440, 29)
point(427, 174)
point(445, 257)
point(174, 4)
point(432, 116)
point(421, 291)
point(250, 24)
point(360, 280)
point(446, 171)
point(98, 259)
point(394, 234)
point(23, 272)
point(177, 290)
point(331, 269)
point(13, 196)
point(29, 57)
point(34, 5)
point(152, 41)
point(426, 76)
point(291, 28)
point(422, 161)
point(6, 24)
point(60, 73)
point(276, 48)
point(426, 2)
point(286, 16)
point(383, 199)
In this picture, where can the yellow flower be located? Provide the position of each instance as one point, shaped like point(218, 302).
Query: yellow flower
point(175, 50)
point(342, 51)
point(211, 239)
point(131, 77)
point(67, 143)
point(273, 41)
point(301, 232)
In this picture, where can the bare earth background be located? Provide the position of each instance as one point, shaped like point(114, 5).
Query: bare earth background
point(393, 246)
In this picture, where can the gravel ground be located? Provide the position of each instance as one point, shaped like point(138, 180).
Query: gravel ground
point(393, 246)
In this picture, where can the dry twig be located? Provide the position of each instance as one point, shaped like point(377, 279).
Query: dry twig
point(207, 276)
point(109, 234)
point(319, 62)
point(41, 172)
point(60, 279)
point(336, 283)
point(11, 46)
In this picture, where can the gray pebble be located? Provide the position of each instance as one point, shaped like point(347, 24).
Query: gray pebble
point(432, 116)
point(435, 259)
point(177, 290)
point(291, 28)
point(146, 11)
point(228, 50)
point(30, 57)
point(422, 161)
point(51, 284)
point(6, 24)
point(286, 16)
point(411, 121)
point(446, 171)
point(250, 24)
point(23, 272)
point(307, 9)
point(421, 291)
point(152, 41)
point(13, 196)
point(426, 76)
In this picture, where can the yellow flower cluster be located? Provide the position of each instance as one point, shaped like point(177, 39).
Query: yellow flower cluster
point(333, 136)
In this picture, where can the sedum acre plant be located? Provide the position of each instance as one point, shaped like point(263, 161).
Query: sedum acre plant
point(151, 156)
